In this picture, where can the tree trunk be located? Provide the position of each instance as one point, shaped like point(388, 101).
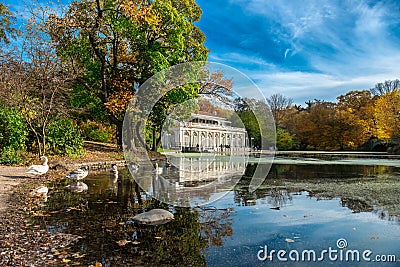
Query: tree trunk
point(119, 134)
point(158, 141)
point(139, 136)
point(118, 124)
point(44, 140)
point(155, 145)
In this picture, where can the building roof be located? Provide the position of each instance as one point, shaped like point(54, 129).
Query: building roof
point(206, 115)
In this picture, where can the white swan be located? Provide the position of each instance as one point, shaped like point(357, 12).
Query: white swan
point(39, 169)
point(78, 174)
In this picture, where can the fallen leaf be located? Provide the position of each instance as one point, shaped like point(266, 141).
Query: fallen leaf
point(122, 242)
point(60, 253)
point(65, 260)
point(77, 255)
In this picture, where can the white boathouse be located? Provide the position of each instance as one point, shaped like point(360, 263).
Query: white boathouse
point(205, 133)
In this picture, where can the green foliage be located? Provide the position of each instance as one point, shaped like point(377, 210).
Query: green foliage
point(63, 138)
point(96, 131)
point(13, 136)
point(285, 140)
point(253, 129)
point(83, 99)
point(11, 156)
point(146, 38)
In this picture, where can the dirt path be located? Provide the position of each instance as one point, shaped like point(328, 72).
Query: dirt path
point(9, 177)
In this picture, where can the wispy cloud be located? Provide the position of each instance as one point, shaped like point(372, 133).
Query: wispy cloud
point(238, 58)
point(308, 49)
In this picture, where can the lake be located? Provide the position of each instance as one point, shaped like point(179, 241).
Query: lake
point(308, 211)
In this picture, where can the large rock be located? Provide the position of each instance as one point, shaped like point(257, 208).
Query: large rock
point(153, 217)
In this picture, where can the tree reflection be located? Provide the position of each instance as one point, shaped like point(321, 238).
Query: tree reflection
point(356, 205)
point(359, 187)
point(102, 217)
point(216, 225)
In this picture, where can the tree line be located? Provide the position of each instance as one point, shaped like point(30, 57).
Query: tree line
point(359, 120)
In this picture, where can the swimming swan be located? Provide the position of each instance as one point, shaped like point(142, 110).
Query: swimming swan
point(78, 174)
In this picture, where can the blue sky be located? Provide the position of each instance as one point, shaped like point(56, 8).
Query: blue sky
point(303, 49)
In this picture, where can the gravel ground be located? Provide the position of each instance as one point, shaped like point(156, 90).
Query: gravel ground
point(9, 178)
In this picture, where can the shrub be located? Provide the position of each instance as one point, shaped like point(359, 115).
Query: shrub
point(13, 136)
point(98, 132)
point(63, 138)
point(10, 156)
point(285, 140)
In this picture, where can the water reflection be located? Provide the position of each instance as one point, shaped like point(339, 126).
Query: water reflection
point(102, 216)
point(77, 187)
point(327, 171)
point(275, 198)
point(231, 231)
point(187, 181)
point(384, 215)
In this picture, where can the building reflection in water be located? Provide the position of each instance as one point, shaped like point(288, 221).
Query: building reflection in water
point(192, 180)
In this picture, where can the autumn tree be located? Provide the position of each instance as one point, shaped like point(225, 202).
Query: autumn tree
point(206, 106)
point(34, 81)
point(355, 109)
point(114, 47)
point(387, 115)
point(7, 21)
point(217, 87)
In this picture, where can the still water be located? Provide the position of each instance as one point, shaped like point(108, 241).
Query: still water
point(302, 209)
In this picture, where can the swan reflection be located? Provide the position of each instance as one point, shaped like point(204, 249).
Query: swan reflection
point(78, 187)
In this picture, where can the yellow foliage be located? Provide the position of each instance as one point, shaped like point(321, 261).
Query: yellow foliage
point(387, 115)
point(118, 101)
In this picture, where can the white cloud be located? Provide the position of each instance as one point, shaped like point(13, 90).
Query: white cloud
point(238, 58)
point(303, 86)
point(328, 47)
